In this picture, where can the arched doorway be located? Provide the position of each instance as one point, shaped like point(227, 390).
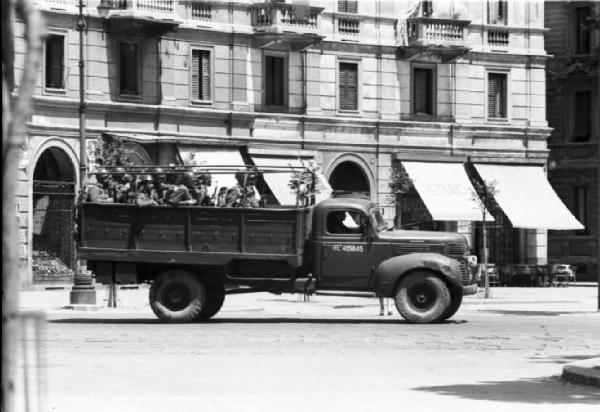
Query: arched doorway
point(349, 176)
point(53, 246)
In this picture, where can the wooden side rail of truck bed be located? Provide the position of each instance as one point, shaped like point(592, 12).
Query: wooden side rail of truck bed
point(191, 234)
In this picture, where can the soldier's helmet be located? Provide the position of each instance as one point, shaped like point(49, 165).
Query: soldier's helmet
point(240, 176)
point(146, 178)
point(159, 174)
point(127, 177)
point(187, 178)
point(102, 174)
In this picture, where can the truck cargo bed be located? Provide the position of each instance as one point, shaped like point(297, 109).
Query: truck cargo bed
point(191, 235)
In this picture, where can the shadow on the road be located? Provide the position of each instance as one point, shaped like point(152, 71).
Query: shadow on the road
point(561, 360)
point(536, 391)
point(142, 321)
point(530, 312)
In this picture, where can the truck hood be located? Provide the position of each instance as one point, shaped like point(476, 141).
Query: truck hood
point(421, 236)
point(412, 241)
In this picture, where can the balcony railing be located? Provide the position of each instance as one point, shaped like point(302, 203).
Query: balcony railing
point(349, 26)
point(429, 31)
point(281, 16)
point(201, 11)
point(56, 4)
point(159, 7)
point(497, 37)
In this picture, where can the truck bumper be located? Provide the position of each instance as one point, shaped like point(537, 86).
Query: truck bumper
point(469, 290)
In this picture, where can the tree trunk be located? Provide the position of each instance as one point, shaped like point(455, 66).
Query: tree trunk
point(14, 129)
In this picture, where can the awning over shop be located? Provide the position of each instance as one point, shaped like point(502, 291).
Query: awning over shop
point(278, 180)
point(222, 162)
point(446, 190)
point(282, 170)
point(526, 197)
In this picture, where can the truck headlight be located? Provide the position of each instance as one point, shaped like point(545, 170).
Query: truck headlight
point(472, 260)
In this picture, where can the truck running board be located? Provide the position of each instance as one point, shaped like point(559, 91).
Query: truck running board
point(347, 294)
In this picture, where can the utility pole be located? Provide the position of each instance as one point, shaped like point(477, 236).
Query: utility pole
point(83, 292)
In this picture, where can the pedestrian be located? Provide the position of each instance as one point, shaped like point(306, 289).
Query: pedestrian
point(384, 306)
point(160, 186)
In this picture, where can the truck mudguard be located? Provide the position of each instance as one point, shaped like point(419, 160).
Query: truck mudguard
point(391, 270)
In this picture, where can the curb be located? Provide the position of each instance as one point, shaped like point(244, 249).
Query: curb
point(585, 372)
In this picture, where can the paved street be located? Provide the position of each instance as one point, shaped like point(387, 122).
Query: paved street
point(275, 353)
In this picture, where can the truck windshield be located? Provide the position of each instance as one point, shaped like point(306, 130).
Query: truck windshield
point(379, 222)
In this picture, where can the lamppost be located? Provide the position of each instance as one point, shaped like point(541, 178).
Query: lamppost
point(83, 292)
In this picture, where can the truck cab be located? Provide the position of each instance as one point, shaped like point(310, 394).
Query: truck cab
point(353, 249)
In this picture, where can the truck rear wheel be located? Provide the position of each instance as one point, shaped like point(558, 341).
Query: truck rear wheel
point(177, 296)
point(456, 298)
point(215, 296)
point(422, 297)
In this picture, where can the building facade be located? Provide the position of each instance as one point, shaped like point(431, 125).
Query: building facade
point(358, 87)
point(573, 91)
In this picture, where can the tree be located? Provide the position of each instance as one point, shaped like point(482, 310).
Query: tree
point(483, 193)
point(15, 112)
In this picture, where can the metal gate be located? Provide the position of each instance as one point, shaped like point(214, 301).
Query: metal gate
point(53, 228)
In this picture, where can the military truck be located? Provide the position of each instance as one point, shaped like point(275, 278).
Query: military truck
point(193, 256)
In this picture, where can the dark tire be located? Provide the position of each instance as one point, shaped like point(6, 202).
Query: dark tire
point(422, 297)
point(456, 298)
point(177, 296)
point(215, 296)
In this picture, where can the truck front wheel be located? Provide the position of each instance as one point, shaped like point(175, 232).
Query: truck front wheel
point(177, 296)
point(422, 297)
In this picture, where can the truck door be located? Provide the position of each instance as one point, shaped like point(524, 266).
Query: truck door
point(345, 255)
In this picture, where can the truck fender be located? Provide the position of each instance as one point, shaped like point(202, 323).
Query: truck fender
point(390, 271)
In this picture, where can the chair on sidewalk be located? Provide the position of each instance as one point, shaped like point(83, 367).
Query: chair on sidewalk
point(563, 274)
point(493, 276)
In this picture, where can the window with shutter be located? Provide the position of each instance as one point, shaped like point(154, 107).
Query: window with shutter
point(348, 6)
point(496, 98)
point(274, 81)
point(201, 75)
point(426, 8)
point(497, 12)
point(55, 62)
point(583, 33)
point(348, 86)
point(423, 90)
point(582, 123)
point(129, 70)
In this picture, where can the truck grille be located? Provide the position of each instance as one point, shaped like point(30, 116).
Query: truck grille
point(464, 273)
point(456, 250)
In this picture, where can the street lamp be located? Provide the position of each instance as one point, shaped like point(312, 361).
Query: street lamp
point(83, 292)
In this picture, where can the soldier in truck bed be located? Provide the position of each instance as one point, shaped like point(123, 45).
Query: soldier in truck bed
point(180, 194)
point(236, 196)
point(146, 194)
point(100, 192)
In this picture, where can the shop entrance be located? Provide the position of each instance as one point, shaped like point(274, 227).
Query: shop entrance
point(349, 176)
point(53, 225)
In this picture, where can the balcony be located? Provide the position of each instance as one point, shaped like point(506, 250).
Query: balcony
point(424, 31)
point(445, 37)
point(57, 5)
point(149, 17)
point(282, 17)
point(497, 37)
point(285, 24)
point(348, 26)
